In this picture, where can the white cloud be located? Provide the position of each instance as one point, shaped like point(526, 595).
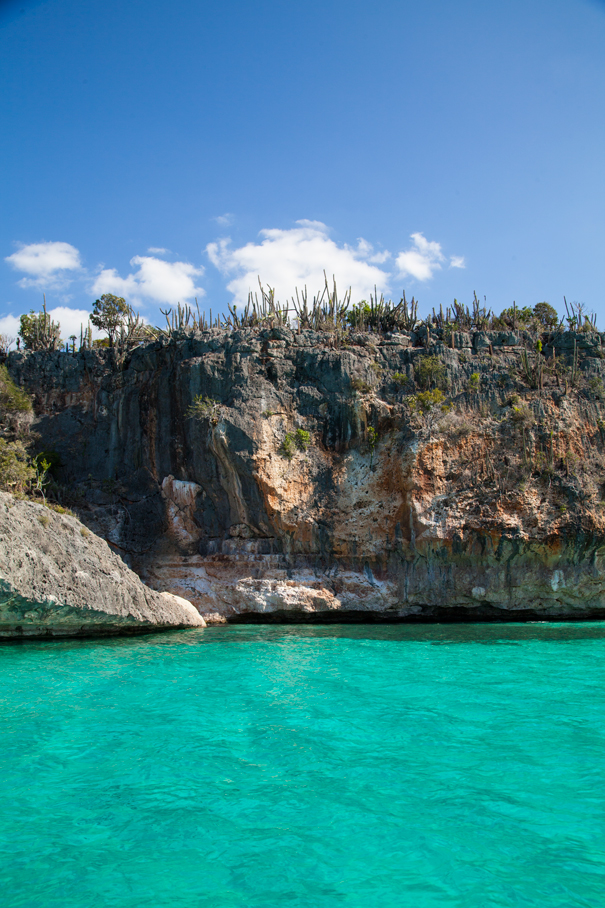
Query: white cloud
point(45, 264)
point(286, 259)
point(457, 261)
point(9, 326)
point(154, 279)
point(158, 250)
point(225, 220)
point(421, 260)
point(70, 321)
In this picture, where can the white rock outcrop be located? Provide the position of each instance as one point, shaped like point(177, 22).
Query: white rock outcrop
point(59, 579)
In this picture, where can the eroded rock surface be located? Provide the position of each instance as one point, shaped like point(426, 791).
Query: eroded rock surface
point(495, 510)
point(59, 579)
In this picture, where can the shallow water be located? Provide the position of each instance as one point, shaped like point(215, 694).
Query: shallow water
point(421, 766)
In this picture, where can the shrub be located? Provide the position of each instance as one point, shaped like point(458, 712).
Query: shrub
point(546, 315)
point(12, 398)
point(16, 471)
point(428, 405)
point(302, 439)
point(44, 519)
point(39, 332)
point(288, 447)
point(205, 408)
point(48, 462)
point(430, 372)
point(473, 382)
point(522, 415)
point(400, 379)
point(455, 425)
point(299, 439)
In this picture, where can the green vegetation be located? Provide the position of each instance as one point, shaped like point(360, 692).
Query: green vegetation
point(292, 442)
point(16, 469)
point(288, 447)
point(302, 439)
point(474, 382)
point(427, 406)
point(522, 415)
point(12, 398)
point(205, 408)
point(430, 372)
point(400, 379)
point(110, 313)
point(39, 332)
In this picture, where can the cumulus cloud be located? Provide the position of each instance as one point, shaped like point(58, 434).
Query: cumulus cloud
point(70, 320)
point(154, 280)
point(9, 326)
point(421, 260)
point(286, 259)
point(45, 264)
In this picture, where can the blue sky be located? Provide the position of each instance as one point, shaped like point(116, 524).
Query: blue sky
point(163, 151)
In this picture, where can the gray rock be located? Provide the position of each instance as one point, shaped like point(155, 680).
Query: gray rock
point(59, 579)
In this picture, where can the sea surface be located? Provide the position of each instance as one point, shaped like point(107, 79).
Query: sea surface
point(375, 767)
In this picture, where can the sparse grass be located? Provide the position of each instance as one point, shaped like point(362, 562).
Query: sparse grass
point(59, 508)
point(44, 519)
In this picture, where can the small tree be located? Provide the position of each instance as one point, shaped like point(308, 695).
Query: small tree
point(6, 341)
point(546, 315)
point(39, 332)
point(430, 372)
point(110, 313)
point(428, 405)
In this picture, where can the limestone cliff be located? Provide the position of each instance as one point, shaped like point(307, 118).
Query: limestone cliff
point(58, 579)
point(386, 512)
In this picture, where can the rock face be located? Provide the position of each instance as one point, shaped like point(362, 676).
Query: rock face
point(494, 509)
point(58, 579)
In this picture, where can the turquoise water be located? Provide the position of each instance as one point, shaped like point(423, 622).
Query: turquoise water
point(356, 766)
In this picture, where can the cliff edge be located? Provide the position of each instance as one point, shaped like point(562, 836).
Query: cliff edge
point(271, 474)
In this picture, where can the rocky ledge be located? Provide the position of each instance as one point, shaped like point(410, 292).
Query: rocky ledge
point(58, 579)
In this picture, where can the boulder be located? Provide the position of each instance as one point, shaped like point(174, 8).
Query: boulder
point(59, 579)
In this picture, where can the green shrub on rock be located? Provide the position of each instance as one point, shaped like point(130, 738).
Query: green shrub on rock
point(12, 398)
point(205, 408)
point(430, 372)
point(16, 470)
